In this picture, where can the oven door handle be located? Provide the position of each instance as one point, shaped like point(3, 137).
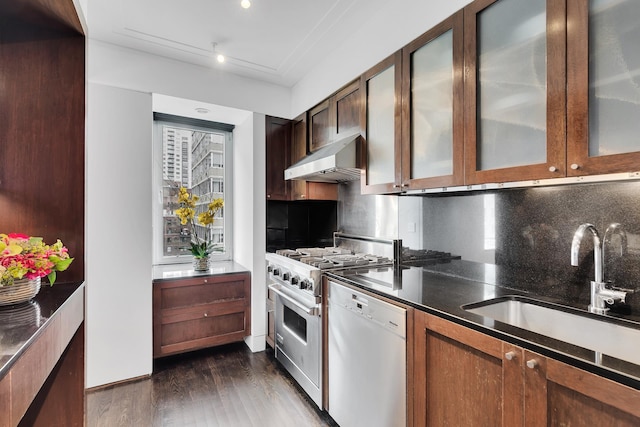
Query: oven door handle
point(311, 311)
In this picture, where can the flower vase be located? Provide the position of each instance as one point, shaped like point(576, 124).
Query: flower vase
point(201, 264)
point(20, 291)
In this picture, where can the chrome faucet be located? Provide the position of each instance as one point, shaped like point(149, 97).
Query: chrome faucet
point(612, 229)
point(599, 293)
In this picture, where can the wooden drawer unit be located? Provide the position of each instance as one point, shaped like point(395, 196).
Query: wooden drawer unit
point(194, 313)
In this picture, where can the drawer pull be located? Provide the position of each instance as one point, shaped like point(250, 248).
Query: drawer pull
point(510, 355)
point(531, 364)
point(205, 314)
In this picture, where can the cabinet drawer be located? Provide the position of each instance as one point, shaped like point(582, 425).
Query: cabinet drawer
point(188, 293)
point(202, 311)
point(190, 314)
point(201, 332)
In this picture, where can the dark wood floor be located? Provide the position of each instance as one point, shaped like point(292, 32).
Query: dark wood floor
point(224, 386)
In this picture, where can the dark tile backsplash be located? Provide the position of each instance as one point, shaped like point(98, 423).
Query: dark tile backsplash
point(525, 235)
point(300, 224)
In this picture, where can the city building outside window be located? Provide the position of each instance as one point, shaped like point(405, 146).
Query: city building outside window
point(194, 154)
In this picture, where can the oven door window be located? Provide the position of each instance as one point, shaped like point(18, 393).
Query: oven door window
point(295, 323)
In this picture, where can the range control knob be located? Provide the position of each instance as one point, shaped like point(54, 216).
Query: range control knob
point(276, 271)
point(285, 276)
point(295, 280)
point(269, 268)
point(306, 284)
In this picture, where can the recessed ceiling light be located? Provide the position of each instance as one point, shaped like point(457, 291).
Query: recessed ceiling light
point(202, 110)
point(220, 58)
point(246, 4)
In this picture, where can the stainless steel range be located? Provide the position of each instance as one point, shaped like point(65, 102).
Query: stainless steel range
point(295, 300)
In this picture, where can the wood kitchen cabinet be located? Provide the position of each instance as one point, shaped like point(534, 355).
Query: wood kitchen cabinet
point(381, 88)
point(432, 107)
point(414, 114)
point(278, 143)
point(306, 190)
point(200, 312)
point(558, 394)
point(319, 126)
point(286, 143)
point(514, 93)
point(464, 377)
point(603, 98)
point(347, 110)
point(338, 116)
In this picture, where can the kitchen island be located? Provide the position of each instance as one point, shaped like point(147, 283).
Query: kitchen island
point(42, 359)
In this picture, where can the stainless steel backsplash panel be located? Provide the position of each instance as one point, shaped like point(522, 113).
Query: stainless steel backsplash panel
point(367, 215)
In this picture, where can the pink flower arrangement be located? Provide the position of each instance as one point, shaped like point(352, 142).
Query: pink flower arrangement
point(22, 256)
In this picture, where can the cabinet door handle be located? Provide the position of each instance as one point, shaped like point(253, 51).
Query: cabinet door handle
point(206, 314)
point(396, 185)
point(552, 169)
point(510, 355)
point(531, 364)
point(575, 166)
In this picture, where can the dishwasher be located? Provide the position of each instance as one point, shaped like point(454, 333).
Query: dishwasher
point(367, 359)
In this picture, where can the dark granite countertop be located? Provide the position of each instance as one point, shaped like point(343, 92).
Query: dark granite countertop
point(185, 271)
point(20, 324)
point(442, 289)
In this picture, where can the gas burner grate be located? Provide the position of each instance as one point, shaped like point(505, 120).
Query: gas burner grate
point(313, 252)
point(347, 260)
point(317, 262)
point(376, 259)
point(289, 253)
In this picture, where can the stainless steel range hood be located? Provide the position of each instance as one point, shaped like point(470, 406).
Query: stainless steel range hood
point(336, 162)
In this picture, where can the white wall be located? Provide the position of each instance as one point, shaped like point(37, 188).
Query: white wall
point(119, 136)
point(131, 69)
point(118, 235)
point(249, 225)
point(395, 25)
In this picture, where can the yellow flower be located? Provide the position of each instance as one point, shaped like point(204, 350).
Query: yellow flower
point(185, 215)
point(200, 246)
point(205, 218)
point(216, 204)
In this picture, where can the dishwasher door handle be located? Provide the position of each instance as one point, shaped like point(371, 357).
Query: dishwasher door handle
point(311, 311)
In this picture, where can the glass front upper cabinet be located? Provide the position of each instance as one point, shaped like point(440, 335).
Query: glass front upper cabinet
point(515, 96)
point(432, 96)
point(604, 86)
point(382, 85)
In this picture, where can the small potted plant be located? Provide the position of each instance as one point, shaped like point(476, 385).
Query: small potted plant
point(201, 247)
point(24, 260)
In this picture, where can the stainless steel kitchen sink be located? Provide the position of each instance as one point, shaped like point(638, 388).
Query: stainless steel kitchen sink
point(606, 335)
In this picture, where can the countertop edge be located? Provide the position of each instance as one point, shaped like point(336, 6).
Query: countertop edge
point(6, 367)
point(521, 341)
point(168, 272)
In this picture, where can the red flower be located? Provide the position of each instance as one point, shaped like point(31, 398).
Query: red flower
point(18, 236)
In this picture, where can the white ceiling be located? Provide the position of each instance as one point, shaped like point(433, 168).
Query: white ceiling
point(277, 41)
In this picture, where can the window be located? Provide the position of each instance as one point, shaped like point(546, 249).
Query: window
point(195, 154)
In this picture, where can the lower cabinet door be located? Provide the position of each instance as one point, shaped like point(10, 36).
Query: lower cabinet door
point(464, 377)
point(562, 395)
point(459, 375)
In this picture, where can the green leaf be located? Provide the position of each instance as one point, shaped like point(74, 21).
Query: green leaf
point(63, 264)
point(52, 277)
